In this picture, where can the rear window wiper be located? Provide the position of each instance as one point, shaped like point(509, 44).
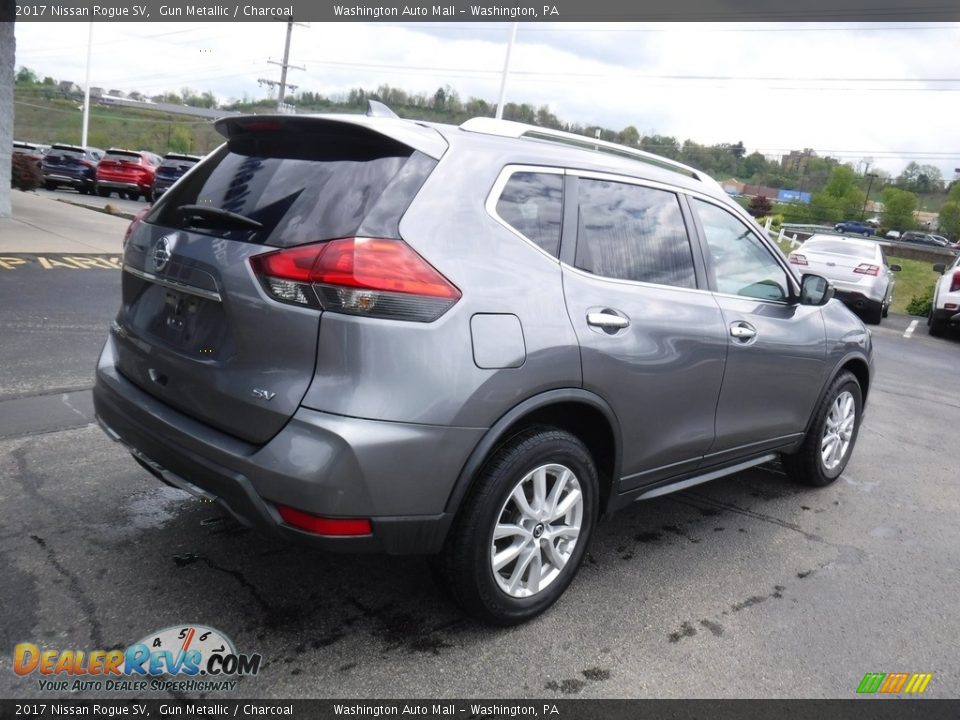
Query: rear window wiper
point(208, 212)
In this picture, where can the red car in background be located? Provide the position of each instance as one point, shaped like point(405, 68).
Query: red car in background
point(129, 173)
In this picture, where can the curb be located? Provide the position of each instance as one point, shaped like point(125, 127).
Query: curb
point(111, 211)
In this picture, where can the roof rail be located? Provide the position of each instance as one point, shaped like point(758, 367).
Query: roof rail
point(508, 128)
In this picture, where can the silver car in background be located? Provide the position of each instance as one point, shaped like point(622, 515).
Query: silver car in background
point(857, 269)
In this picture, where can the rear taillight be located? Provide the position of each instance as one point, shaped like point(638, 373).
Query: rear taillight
point(137, 219)
point(867, 269)
point(797, 259)
point(955, 282)
point(331, 527)
point(372, 277)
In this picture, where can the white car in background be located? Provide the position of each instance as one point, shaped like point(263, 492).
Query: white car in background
point(857, 269)
point(945, 308)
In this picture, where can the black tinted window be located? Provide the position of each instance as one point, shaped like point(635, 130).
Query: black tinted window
point(302, 187)
point(633, 233)
point(532, 204)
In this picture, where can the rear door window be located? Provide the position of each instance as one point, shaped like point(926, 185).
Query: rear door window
point(532, 204)
point(631, 232)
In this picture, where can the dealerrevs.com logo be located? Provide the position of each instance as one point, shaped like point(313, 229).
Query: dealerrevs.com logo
point(183, 658)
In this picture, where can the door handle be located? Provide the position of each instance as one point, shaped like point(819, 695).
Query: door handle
point(607, 320)
point(743, 331)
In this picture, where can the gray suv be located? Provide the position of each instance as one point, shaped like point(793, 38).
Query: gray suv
point(373, 334)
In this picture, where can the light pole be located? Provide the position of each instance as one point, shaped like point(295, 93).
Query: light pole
point(863, 213)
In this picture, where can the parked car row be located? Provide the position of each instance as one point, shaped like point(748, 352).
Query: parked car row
point(130, 174)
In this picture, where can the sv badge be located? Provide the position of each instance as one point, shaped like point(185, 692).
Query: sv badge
point(263, 394)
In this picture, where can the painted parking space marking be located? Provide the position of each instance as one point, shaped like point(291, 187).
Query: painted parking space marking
point(58, 261)
point(909, 331)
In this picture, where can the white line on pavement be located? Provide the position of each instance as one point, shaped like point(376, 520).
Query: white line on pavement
point(909, 331)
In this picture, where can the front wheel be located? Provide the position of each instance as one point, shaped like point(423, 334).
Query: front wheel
point(523, 529)
point(826, 450)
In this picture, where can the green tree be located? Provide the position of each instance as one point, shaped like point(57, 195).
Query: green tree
point(629, 136)
point(26, 76)
point(950, 218)
point(840, 198)
point(898, 208)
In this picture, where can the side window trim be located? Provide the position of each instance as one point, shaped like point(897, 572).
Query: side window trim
point(493, 197)
point(705, 249)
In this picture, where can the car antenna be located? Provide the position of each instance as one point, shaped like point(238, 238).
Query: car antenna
point(375, 108)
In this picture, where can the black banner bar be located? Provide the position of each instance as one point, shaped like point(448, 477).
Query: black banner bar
point(482, 11)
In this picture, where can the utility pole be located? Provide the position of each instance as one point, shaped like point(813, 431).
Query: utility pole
point(86, 89)
point(863, 213)
point(506, 70)
point(284, 66)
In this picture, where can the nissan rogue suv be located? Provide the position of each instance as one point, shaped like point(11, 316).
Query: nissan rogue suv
point(373, 334)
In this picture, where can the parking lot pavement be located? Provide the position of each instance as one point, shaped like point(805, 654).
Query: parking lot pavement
point(41, 225)
point(748, 586)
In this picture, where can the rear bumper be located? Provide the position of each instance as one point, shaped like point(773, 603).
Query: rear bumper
point(951, 316)
point(63, 179)
point(123, 185)
point(857, 301)
point(397, 475)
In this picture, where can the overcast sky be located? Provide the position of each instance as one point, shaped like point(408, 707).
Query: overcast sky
point(890, 92)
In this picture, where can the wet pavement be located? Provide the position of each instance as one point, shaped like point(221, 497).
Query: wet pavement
point(748, 586)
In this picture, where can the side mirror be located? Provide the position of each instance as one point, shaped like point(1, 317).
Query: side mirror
point(940, 268)
point(895, 268)
point(815, 290)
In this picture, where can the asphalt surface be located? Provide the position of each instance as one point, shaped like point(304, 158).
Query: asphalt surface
point(745, 587)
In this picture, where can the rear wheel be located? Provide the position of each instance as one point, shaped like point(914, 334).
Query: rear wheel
point(133, 195)
point(522, 531)
point(103, 192)
point(936, 326)
point(50, 185)
point(873, 313)
point(833, 433)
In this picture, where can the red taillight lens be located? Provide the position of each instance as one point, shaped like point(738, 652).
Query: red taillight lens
point(867, 269)
point(374, 277)
point(137, 219)
point(334, 527)
point(797, 259)
point(955, 282)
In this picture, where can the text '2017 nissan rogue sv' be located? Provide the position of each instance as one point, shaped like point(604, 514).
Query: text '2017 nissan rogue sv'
point(368, 333)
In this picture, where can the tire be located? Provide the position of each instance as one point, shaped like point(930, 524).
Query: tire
point(148, 196)
point(133, 195)
point(103, 192)
point(886, 311)
point(508, 595)
point(936, 327)
point(50, 185)
point(873, 314)
point(807, 465)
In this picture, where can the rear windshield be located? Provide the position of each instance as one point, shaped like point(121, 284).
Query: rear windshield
point(839, 247)
point(301, 186)
point(67, 152)
point(174, 160)
point(130, 157)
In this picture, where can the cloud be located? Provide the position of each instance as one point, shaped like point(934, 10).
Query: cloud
point(859, 91)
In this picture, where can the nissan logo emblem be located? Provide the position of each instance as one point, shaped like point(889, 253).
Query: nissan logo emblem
point(163, 251)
